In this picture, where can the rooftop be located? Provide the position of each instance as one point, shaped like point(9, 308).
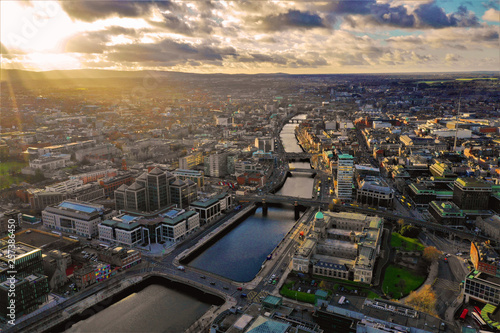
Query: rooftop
point(472, 182)
point(387, 313)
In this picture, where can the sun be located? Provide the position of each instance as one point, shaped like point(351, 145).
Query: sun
point(40, 26)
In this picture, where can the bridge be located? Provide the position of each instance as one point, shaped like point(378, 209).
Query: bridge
point(298, 156)
point(313, 171)
point(325, 204)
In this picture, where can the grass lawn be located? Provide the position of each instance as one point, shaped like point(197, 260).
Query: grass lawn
point(6, 179)
point(393, 274)
point(298, 295)
point(408, 244)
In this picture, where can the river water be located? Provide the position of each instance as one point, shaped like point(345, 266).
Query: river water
point(153, 309)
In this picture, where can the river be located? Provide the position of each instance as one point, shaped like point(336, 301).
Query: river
point(151, 309)
point(239, 254)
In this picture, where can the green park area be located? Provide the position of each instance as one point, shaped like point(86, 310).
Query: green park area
point(405, 243)
point(10, 173)
point(399, 281)
point(301, 296)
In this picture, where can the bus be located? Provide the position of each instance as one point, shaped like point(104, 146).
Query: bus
point(73, 237)
point(56, 233)
point(104, 246)
point(480, 321)
point(464, 314)
point(478, 310)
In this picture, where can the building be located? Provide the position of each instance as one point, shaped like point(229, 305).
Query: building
point(157, 189)
point(345, 177)
point(93, 176)
point(210, 209)
point(129, 230)
point(352, 314)
point(28, 260)
point(471, 193)
point(183, 193)
point(216, 165)
point(483, 283)
point(55, 264)
point(124, 230)
point(48, 163)
point(241, 167)
point(190, 161)
point(266, 144)
point(120, 257)
point(110, 185)
point(447, 213)
point(374, 191)
point(97, 153)
point(30, 292)
point(193, 175)
point(134, 197)
point(31, 286)
point(150, 192)
point(334, 249)
point(84, 276)
point(80, 218)
point(490, 226)
point(178, 223)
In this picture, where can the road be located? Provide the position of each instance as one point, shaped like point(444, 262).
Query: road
point(450, 272)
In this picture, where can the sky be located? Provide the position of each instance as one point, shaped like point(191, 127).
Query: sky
point(296, 37)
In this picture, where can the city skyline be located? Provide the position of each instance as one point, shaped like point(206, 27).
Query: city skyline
point(251, 37)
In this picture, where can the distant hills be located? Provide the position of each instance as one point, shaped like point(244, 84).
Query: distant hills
point(24, 75)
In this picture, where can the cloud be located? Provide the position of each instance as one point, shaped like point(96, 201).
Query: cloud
point(430, 15)
point(90, 11)
point(450, 57)
point(169, 53)
point(422, 16)
point(454, 38)
point(492, 15)
point(292, 19)
point(95, 41)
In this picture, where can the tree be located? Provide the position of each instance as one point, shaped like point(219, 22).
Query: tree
point(431, 253)
point(423, 300)
point(400, 223)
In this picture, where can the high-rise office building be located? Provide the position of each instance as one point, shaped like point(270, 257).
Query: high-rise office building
point(345, 177)
point(216, 165)
point(183, 193)
point(471, 193)
point(150, 192)
point(157, 189)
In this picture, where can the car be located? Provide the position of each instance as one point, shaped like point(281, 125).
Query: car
point(459, 254)
point(446, 260)
point(212, 283)
point(243, 295)
point(225, 288)
point(203, 277)
point(300, 289)
point(239, 288)
point(309, 291)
